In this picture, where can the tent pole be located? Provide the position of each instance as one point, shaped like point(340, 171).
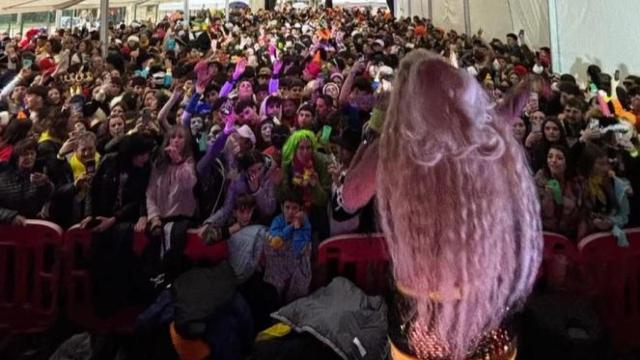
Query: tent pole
point(187, 14)
point(104, 10)
point(58, 19)
point(467, 17)
point(226, 10)
point(430, 9)
point(554, 39)
point(20, 24)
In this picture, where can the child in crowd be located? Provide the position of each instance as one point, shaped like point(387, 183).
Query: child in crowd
point(243, 215)
point(288, 250)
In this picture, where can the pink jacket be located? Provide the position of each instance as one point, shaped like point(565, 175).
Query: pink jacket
point(170, 192)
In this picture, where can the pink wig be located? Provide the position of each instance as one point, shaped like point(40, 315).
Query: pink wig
point(457, 203)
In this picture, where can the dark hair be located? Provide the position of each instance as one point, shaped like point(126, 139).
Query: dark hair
point(291, 195)
point(563, 135)
point(575, 103)
point(327, 100)
point(21, 148)
point(362, 84)
point(590, 154)
point(569, 171)
point(248, 158)
point(58, 125)
point(244, 201)
point(273, 100)
point(132, 145)
point(512, 36)
point(634, 91)
point(187, 151)
point(16, 130)
point(279, 136)
point(307, 107)
point(243, 104)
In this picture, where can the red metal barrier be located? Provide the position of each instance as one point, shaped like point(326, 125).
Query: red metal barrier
point(559, 255)
point(78, 280)
point(29, 276)
point(613, 274)
point(361, 258)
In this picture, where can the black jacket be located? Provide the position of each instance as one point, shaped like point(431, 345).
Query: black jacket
point(18, 196)
point(126, 201)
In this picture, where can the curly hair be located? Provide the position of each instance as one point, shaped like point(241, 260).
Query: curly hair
point(457, 203)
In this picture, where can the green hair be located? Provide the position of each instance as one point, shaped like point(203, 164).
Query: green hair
point(290, 147)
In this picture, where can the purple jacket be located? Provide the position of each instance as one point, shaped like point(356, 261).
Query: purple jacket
point(265, 199)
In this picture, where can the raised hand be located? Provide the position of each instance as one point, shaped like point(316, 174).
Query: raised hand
point(240, 68)
point(229, 124)
point(277, 67)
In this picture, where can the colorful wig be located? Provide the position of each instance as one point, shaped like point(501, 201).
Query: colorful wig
point(290, 147)
point(457, 204)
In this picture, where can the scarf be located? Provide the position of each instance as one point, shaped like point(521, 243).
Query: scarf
point(594, 188)
point(46, 136)
point(301, 176)
point(77, 167)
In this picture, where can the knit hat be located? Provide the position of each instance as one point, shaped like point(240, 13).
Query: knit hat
point(520, 70)
point(246, 132)
point(336, 75)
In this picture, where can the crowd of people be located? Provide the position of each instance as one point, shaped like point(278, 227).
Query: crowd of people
point(252, 126)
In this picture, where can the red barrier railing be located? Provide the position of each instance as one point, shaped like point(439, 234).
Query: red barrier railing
point(80, 309)
point(30, 258)
point(613, 275)
point(34, 259)
point(361, 258)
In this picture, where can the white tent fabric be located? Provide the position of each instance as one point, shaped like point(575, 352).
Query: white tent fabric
point(500, 17)
point(447, 14)
point(496, 17)
point(25, 6)
point(604, 33)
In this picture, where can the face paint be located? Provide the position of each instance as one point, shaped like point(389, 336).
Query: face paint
point(196, 125)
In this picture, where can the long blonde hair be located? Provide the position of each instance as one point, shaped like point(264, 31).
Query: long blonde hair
point(457, 203)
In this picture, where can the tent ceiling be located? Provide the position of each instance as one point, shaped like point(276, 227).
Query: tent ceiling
point(25, 6)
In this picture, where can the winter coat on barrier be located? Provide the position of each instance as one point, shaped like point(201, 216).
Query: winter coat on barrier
point(245, 248)
point(340, 315)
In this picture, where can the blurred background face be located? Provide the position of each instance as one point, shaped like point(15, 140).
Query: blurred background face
point(177, 140)
point(557, 162)
point(551, 132)
point(33, 101)
point(304, 151)
point(27, 160)
point(572, 114)
point(86, 151)
point(305, 119)
point(519, 129)
point(322, 108)
point(54, 96)
point(289, 210)
point(601, 166)
point(116, 126)
point(243, 215)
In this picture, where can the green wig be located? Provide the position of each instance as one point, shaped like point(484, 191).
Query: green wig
point(290, 147)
